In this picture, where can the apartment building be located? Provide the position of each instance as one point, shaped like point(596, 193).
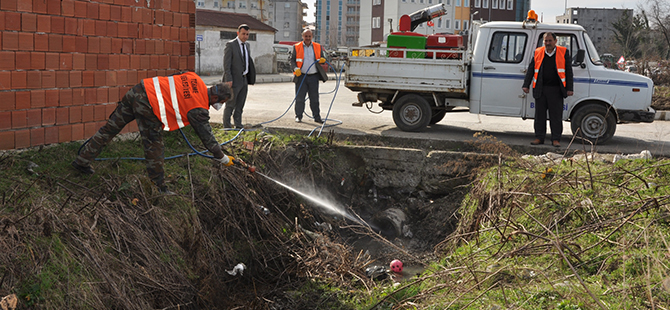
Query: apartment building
point(337, 22)
point(597, 22)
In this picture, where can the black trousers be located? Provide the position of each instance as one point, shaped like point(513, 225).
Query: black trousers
point(552, 101)
point(235, 106)
point(309, 86)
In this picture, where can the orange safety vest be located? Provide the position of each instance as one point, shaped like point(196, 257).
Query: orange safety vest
point(300, 53)
point(172, 97)
point(560, 62)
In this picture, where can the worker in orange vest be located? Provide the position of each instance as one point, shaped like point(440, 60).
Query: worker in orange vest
point(306, 58)
point(161, 104)
point(550, 70)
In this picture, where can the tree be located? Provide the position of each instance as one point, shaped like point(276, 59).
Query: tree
point(628, 34)
point(659, 14)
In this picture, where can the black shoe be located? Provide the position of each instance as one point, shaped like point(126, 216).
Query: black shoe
point(82, 169)
point(165, 191)
point(320, 121)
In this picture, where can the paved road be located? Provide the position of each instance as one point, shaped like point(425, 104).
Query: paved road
point(267, 101)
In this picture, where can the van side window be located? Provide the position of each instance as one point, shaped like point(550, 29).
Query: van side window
point(567, 40)
point(507, 47)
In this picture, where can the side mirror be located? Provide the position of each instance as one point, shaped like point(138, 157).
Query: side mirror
point(580, 56)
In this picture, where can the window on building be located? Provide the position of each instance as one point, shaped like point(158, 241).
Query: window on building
point(510, 4)
point(448, 2)
point(231, 4)
point(507, 47)
point(287, 5)
point(485, 4)
point(478, 3)
point(420, 1)
point(430, 1)
point(457, 24)
point(243, 5)
point(287, 34)
point(574, 12)
point(216, 4)
point(227, 35)
point(200, 4)
point(465, 25)
point(439, 23)
point(376, 2)
point(254, 5)
point(458, 2)
point(447, 23)
point(494, 4)
point(376, 22)
point(287, 25)
point(466, 3)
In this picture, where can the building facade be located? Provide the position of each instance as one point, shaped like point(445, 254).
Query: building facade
point(336, 22)
point(597, 22)
point(500, 10)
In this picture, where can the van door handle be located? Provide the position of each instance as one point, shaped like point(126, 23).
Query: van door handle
point(489, 68)
point(522, 96)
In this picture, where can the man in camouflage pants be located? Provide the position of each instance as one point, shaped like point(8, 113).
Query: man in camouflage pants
point(135, 106)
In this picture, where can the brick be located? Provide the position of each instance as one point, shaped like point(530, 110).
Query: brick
point(155, 62)
point(117, 45)
point(64, 133)
point(159, 47)
point(25, 41)
point(75, 78)
point(150, 47)
point(87, 79)
point(37, 99)
point(48, 116)
point(22, 139)
point(22, 100)
point(132, 30)
point(28, 22)
point(174, 62)
point(132, 78)
point(43, 23)
point(113, 62)
point(99, 112)
point(121, 78)
point(67, 8)
point(100, 28)
point(36, 136)
point(69, 44)
point(65, 97)
point(110, 78)
point(7, 60)
point(184, 48)
point(102, 95)
point(167, 19)
point(51, 61)
point(72, 26)
point(139, 47)
point(135, 61)
point(81, 44)
point(92, 10)
point(24, 6)
point(10, 41)
point(65, 61)
point(50, 135)
point(112, 30)
point(88, 27)
point(5, 82)
point(190, 5)
point(53, 7)
point(2, 20)
point(39, 6)
point(62, 116)
point(78, 61)
point(51, 96)
point(185, 21)
point(137, 15)
point(141, 75)
point(34, 118)
point(9, 5)
point(8, 100)
point(104, 11)
point(13, 21)
point(91, 95)
point(115, 12)
point(176, 20)
point(79, 9)
point(174, 33)
point(126, 14)
point(90, 129)
point(41, 42)
point(151, 73)
point(94, 45)
point(105, 45)
point(78, 96)
point(57, 24)
point(23, 60)
point(145, 62)
point(103, 61)
point(87, 114)
point(109, 109)
point(55, 43)
point(77, 132)
point(113, 95)
point(122, 30)
point(124, 61)
point(34, 79)
point(100, 78)
point(5, 120)
point(19, 119)
point(6, 137)
point(18, 79)
point(91, 61)
point(49, 79)
point(127, 46)
point(75, 114)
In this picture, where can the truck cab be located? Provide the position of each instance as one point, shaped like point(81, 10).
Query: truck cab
point(602, 98)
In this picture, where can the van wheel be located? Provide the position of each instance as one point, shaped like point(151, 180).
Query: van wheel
point(437, 116)
point(593, 122)
point(411, 113)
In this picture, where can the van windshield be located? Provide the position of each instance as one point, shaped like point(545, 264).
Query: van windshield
point(593, 53)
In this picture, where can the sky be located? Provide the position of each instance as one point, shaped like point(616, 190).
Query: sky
point(550, 8)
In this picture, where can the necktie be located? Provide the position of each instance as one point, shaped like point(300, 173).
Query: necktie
point(244, 55)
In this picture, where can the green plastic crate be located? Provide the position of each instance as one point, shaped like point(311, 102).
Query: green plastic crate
point(407, 40)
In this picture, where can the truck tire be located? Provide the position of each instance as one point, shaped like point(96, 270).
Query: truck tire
point(593, 122)
point(438, 115)
point(411, 113)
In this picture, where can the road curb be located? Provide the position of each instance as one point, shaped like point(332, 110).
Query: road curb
point(662, 116)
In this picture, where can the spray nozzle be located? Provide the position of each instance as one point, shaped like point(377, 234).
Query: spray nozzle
point(244, 165)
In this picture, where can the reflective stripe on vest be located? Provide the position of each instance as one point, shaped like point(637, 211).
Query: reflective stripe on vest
point(172, 97)
point(560, 62)
point(300, 53)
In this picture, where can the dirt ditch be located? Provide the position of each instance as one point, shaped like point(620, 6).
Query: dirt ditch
point(67, 241)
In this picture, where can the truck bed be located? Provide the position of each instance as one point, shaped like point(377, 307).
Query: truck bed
point(379, 72)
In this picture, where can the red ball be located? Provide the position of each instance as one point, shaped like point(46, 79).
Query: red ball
point(396, 266)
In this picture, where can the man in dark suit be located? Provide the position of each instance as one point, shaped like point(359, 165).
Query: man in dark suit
point(238, 73)
point(550, 70)
point(306, 58)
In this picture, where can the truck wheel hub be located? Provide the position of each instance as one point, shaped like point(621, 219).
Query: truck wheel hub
point(411, 114)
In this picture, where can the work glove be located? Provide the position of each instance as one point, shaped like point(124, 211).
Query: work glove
point(225, 160)
point(297, 72)
point(322, 60)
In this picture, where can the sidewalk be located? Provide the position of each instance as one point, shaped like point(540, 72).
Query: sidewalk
point(261, 78)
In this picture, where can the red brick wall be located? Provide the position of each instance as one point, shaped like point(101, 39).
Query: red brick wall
point(65, 63)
